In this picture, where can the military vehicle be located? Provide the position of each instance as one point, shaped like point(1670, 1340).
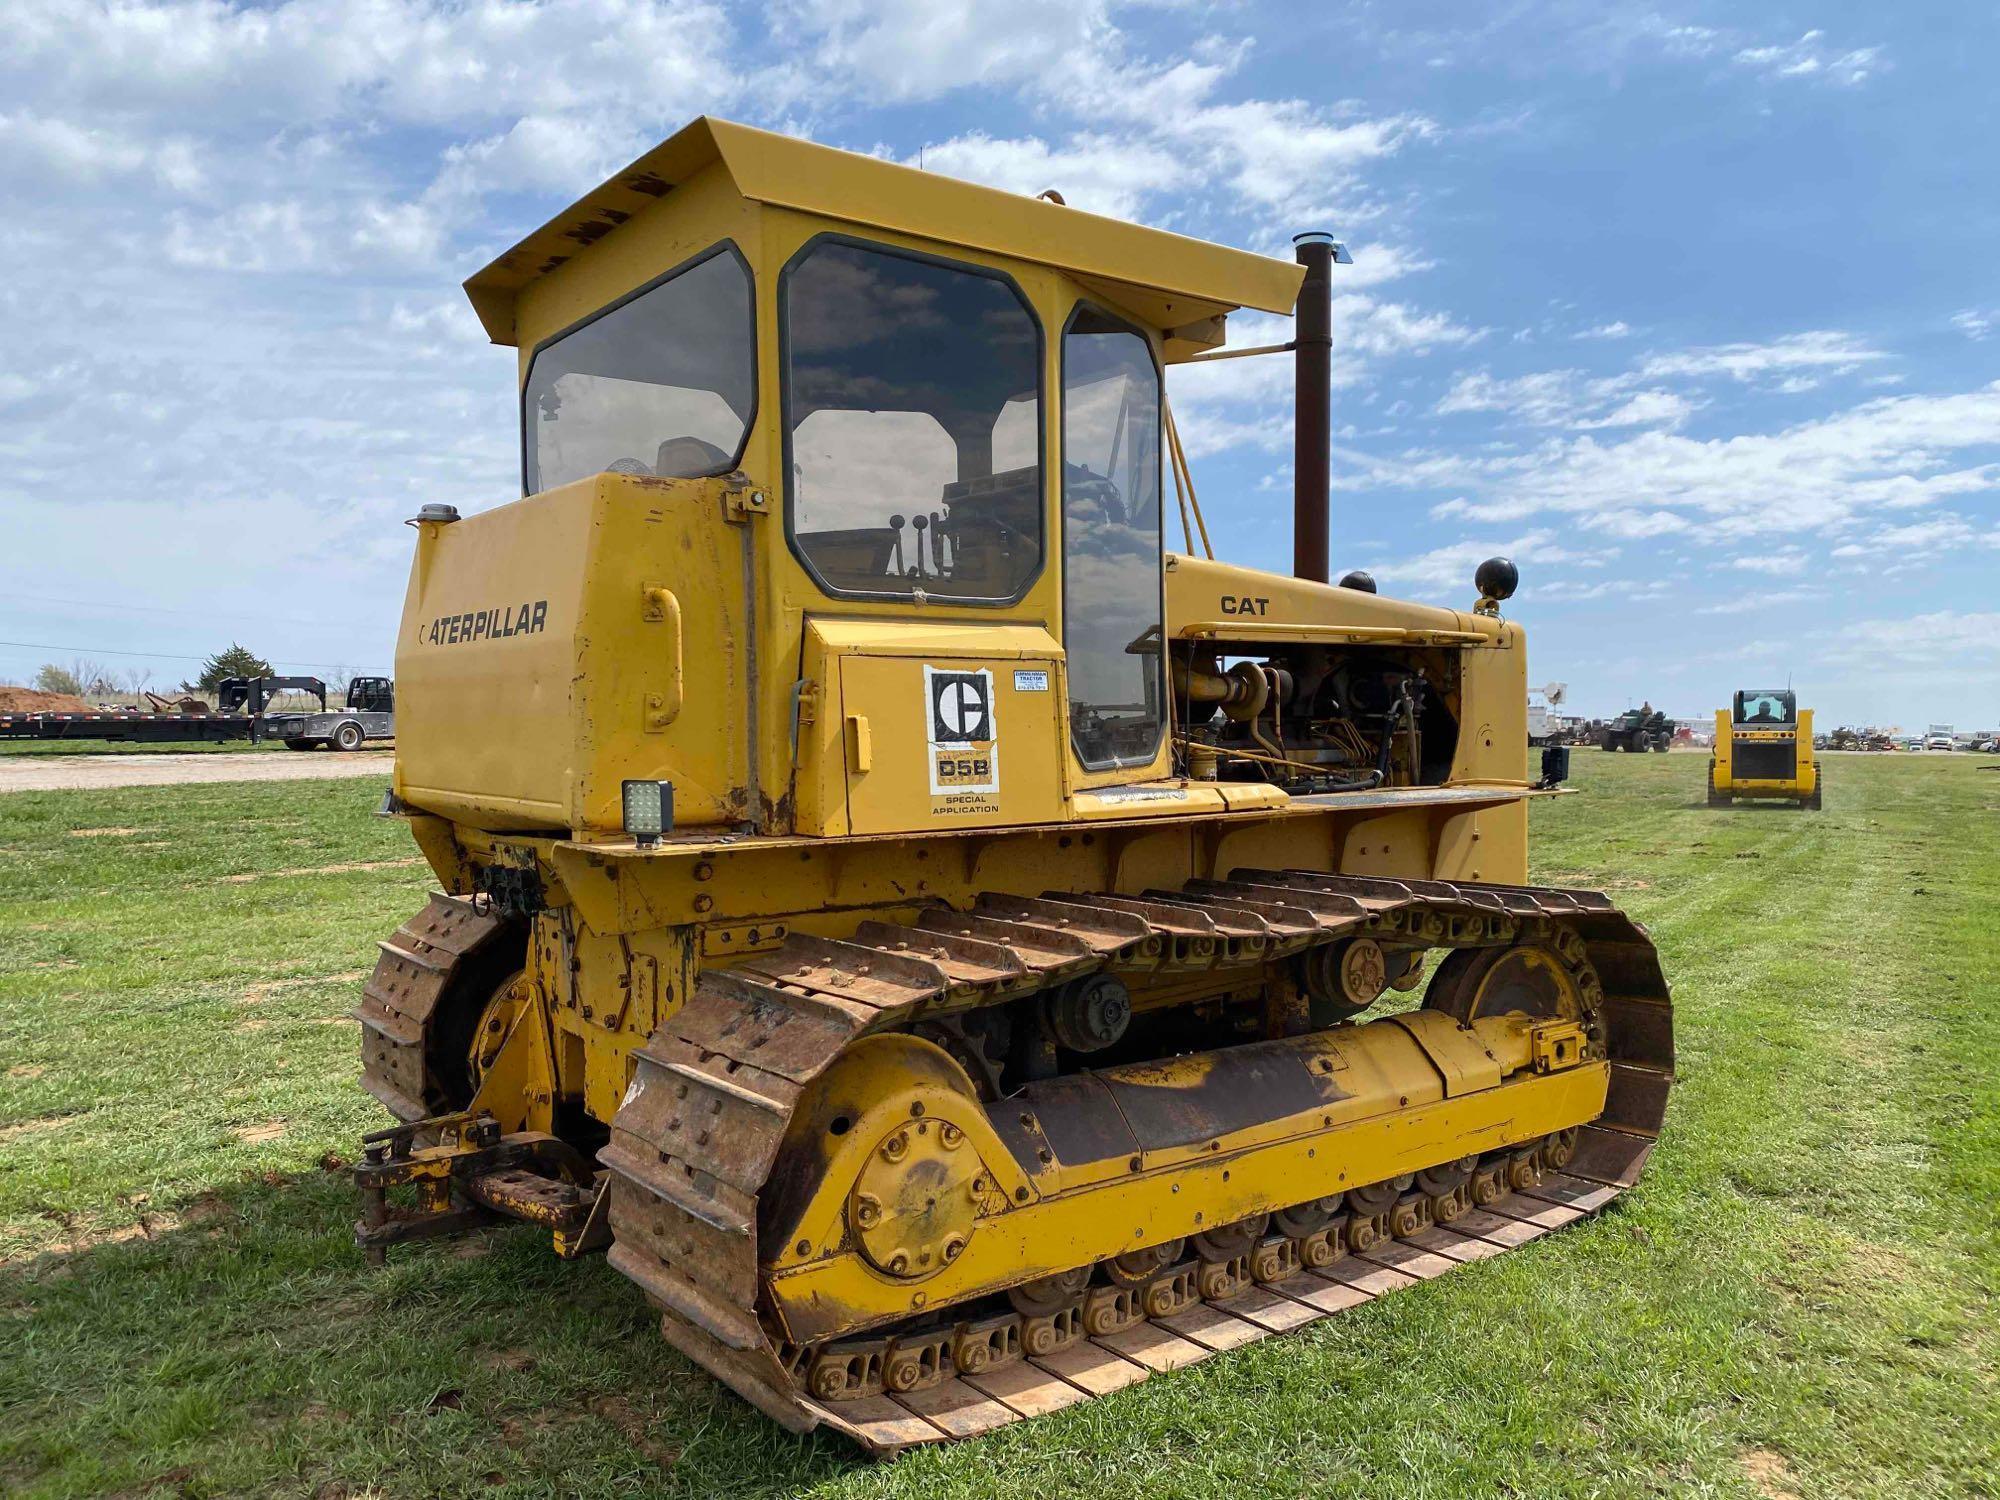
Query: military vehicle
point(1638, 729)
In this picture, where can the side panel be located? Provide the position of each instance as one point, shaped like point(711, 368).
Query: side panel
point(484, 662)
point(951, 741)
point(553, 647)
point(1493, 711)
point(662, 665)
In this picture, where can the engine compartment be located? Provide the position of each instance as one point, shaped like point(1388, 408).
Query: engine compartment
point(1314, 718)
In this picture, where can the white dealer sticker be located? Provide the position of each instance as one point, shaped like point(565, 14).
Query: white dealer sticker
point(1031, 682)
point(964, 733)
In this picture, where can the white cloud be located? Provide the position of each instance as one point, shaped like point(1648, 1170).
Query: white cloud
point(1645, 409)
point(1546, 397)
point(1618, 330)
point(71, 153)
point(1973, 323)
point(1920, 540)
point(1246, 403)
point(1289, 155)
point(1576, 591)
point(1452, 565)
point(1566, 398)
point(425, 62)
point(1893, 453)
point(1778, 564)
point(1103, 174)
point(1827, 351)
point(1637, 525)
point(1944, 641)
point(1809, 57)
point(1763, 599)
point(919, 49)
point(1365, 325)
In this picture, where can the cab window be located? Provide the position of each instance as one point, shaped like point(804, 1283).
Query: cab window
point(1765, 707)
point(663, 383)
point(1112, 601)
point(913, 425)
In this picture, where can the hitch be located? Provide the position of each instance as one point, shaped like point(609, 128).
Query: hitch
point(468, 1174)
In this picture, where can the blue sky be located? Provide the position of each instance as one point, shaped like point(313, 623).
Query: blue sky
point(1690, 308)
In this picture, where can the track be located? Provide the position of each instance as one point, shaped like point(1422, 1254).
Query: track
point(695, 1141)
point(966, 1405)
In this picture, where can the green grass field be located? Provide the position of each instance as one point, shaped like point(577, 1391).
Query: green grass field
point(1799, 1300)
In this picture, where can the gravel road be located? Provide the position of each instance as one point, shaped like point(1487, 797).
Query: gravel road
point(62, 773)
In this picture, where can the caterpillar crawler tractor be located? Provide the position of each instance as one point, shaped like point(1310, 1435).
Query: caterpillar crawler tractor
point(1764, 748)
point(956, 954)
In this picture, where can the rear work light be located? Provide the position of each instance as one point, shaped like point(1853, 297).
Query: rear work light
point(649, 810)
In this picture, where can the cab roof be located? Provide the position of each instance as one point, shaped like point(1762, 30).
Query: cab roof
point(1185, 286)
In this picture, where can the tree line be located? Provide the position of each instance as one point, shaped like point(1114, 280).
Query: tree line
point(82, 678)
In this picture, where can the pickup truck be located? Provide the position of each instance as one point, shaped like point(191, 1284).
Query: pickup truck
point(370, 714)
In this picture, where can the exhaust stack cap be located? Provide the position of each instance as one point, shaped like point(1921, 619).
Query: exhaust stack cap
point(1321, 237)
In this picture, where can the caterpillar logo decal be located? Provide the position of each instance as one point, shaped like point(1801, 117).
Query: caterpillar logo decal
point(964, 739)
point(492, 624)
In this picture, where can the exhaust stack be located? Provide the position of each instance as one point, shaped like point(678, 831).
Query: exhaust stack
point(1312, 344)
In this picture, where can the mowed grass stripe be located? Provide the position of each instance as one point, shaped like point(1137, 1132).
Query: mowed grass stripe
point(1797, 1301)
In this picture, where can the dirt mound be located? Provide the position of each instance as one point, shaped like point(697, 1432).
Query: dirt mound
point(20, 700)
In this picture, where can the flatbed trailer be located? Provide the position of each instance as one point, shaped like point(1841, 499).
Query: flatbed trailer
point(369, 714)
point(150, 728)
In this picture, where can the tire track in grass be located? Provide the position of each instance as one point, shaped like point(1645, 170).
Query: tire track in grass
point(1816, 1074)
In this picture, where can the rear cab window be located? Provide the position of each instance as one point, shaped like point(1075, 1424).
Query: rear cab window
point(662, 383)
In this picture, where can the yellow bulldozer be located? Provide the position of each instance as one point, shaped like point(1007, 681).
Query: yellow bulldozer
point(1764, 749)
point(956, 954)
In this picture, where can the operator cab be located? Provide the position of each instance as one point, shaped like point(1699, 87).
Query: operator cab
point(956, 395)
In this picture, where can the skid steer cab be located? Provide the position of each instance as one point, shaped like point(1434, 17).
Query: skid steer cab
point(911, 903)
point(1764, 749)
